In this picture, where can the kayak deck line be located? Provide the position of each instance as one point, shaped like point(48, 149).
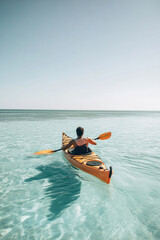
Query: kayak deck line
point(89, 163)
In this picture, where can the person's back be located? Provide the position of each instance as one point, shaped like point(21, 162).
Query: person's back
point(81, 141)
point(80, 144)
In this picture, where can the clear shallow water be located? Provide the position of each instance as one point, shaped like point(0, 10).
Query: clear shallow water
point(45, 198)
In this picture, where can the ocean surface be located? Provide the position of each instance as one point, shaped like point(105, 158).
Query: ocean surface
point(43, 197)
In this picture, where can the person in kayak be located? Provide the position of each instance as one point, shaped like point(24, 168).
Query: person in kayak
point(80, 144)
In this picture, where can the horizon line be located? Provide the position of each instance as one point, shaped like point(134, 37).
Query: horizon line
point(120, 110)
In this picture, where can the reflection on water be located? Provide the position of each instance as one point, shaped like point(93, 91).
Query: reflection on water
point(63, 189)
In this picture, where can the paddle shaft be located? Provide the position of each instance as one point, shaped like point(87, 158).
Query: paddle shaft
point(57, 150)
point(61, 148)
point(103, 136)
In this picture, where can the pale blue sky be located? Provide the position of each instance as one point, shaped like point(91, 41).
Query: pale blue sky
point(80, 54)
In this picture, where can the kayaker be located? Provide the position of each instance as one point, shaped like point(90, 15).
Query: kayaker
point(80, 144)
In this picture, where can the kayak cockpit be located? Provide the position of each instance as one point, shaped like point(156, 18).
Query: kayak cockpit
point(73, 152)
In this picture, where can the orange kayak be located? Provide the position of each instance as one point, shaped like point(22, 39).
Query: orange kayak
point(89, 163)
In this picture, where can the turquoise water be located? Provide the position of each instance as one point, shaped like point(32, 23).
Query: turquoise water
point(43, 197)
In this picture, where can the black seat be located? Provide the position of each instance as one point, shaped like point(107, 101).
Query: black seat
point(83, 150)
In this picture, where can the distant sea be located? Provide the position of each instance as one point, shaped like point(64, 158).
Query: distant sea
point(45, 198)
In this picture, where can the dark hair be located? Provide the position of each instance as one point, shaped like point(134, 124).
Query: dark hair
point(79, 131)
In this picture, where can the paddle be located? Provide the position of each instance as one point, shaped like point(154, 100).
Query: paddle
point(103, 136)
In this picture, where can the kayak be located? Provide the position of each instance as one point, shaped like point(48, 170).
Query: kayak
point(89, 163)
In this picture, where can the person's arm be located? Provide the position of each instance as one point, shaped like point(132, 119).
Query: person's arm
point(91, 141)
point(72, 142)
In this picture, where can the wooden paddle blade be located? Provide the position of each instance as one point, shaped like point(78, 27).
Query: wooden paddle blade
point(44, 152)
point(104, 136)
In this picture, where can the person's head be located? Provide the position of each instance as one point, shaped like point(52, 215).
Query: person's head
point(79, 131)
